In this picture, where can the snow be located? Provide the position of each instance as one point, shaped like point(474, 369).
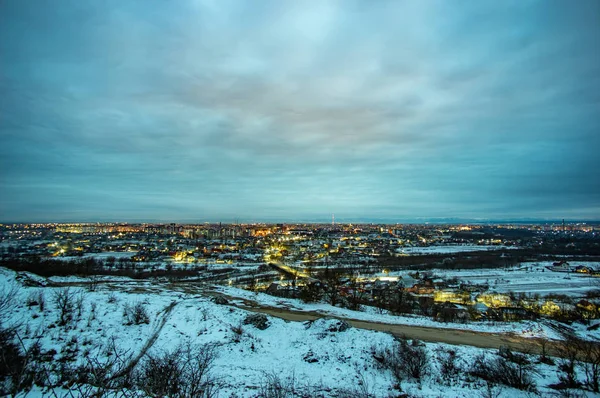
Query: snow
point(529, 278)
point(343, 358)
point(97, 256)
point(451, 249)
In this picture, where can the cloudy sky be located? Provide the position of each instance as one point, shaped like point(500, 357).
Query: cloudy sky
point(251, 110)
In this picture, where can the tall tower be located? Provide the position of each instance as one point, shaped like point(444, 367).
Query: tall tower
point(332, 219)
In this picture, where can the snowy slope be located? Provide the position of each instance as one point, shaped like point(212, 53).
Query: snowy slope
point(311, 353)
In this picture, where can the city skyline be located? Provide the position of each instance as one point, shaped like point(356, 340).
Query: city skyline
point(197, 111)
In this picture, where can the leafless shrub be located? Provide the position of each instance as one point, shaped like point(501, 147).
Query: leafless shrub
point(7, 298)
point(362, 389)
point(544, 358)
point(112, 298)
point(568, 351)
point(64, 299)
point(135, 314)
point(237, 331)
point(589, 360)
point(184, 372)
point(514, 370)
point(98, 377)
point(12, 361)
point(406, 360)
point(19, 364)
point(274, 386)
point(492, 390)
point(41, 299)
point(94, 280)
point(449, 367)
point(79, 303)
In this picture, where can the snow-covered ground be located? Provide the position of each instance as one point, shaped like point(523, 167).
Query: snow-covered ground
point(449, 249)
point(97, 256)
point(311, 353)
point(529, 278)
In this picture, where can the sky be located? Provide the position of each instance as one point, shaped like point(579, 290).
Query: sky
point(286, 110)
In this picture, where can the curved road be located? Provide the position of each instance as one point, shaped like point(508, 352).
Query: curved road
point(424, 333)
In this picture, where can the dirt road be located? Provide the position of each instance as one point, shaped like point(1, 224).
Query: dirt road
point(428, 334)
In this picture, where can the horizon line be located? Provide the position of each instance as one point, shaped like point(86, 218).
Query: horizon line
point(434, 220)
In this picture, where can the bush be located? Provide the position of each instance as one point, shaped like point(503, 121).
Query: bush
point(160, 374)
point(406, 360)
point(310, 293)
point(513, 370)
point(36, 298)
point(112, 298)
point(273, 386)
point(135, 314)
point(568, 350)
point(237, 331)
point(7, 298)
point(12, 362)
point(361, 390)
point(591, 363)
point(65, 302)
point(184, 372)
point(41, 300)
point(449, 368)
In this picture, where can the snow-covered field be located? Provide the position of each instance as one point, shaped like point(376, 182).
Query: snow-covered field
point(98, 256)
point(451, 249)
point(311, 353)
point(529, 278)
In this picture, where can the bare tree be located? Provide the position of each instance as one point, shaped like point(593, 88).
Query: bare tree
point(544, 358)
point(590, 361)
point(354, 297)
point(569, 352)
point(333, 282)
point(64, 299)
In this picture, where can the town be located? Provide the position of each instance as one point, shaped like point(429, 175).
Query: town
point(449, 272)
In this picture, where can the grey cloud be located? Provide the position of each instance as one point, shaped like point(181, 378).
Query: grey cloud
point(413, 108)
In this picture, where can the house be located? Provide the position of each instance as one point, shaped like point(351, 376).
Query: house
point(424, 287)
point(450, 312)
point(481, 308)
point(561, 266)
point(407, 281)
point(276, 289)
point(583, 269)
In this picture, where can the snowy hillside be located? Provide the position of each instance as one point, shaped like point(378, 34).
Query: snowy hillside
point(325, 357)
